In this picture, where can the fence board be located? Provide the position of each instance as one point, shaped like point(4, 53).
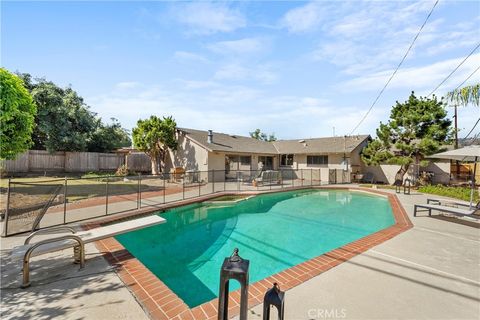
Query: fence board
point(40, 160)
point(43, 161)
point(110, 161)
point(20, 164)
point(138, 162)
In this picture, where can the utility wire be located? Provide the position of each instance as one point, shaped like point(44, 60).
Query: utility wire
point(471, 74)
point(478, 120)
point(474, 49)
point(395, 72)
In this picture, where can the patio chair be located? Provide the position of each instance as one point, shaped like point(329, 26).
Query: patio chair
point(76, 240)
point(462, 212)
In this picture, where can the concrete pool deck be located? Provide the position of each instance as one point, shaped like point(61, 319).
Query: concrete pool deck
point(431, 271)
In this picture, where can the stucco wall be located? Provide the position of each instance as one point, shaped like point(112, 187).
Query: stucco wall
point(188, 155)
point(216, 161)
point(385, 173)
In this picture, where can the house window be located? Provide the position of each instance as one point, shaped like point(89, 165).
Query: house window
point(317, 160)
point(245, 160)
point(266, 162)
point(286, 160)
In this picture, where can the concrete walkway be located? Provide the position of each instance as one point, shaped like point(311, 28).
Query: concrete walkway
point(431, 271)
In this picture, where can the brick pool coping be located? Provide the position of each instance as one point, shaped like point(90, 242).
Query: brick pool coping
point(162, 303)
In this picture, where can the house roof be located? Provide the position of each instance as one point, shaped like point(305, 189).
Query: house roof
point(229, 143)
point(234, 143)
point(320, 145)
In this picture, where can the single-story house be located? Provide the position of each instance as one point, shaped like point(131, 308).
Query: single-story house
point(200, 150)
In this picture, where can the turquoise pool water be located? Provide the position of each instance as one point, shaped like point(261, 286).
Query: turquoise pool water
point(274, 231)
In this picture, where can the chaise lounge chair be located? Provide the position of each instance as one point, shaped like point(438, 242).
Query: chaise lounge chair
point(463, 211)
point(76, 240)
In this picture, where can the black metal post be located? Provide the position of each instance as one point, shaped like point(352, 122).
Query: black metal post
point(7, 209)
point(199, 185)
point(183, 187)
point(164, 187)
point(65, 202)
point(301, 173)
point(139, 190)
point(106, 197)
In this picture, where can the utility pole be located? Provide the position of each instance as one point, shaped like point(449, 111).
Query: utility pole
point(456, 127)
point(457, 164)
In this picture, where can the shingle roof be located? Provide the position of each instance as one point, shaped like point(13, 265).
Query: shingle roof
point(229, 143)
point(320, 145)
point(234, 143)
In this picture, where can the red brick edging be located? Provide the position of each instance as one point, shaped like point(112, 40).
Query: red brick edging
point(162, 303)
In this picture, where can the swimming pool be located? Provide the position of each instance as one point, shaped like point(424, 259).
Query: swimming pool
point(274, 231)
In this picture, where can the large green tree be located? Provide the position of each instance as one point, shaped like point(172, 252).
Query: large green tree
point(65, 123)
point(17, 113)
point(109, 137)
point(417, 128)
point(155, 137)
point(259, 135)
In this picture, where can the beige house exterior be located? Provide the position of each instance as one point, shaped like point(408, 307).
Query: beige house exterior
point(200, 150)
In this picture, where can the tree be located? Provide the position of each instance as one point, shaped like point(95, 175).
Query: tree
point(259, 135)
point(155, 137)
point(109, 137)
point(464, 96)
point(16, 117)
point(417, 128)
point(65, 123)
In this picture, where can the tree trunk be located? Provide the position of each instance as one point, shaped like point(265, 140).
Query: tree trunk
point(155, 165)
point(400, 174)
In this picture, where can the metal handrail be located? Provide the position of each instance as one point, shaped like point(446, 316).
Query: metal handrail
point(28, 255)
point(47, 231)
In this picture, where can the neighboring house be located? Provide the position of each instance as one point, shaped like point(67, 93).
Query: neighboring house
point(227, 154)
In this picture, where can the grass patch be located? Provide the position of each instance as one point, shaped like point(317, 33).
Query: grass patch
point(462, 193)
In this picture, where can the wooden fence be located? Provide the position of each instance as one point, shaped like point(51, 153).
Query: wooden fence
point(43, 161)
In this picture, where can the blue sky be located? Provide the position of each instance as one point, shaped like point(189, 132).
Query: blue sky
point(297, 69)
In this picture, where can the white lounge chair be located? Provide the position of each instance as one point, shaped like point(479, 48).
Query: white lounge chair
point(76, 240)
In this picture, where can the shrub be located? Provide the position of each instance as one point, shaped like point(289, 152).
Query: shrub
point(122, 171)
point(462, 193)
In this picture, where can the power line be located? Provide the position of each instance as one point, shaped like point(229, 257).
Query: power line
point(471, 74)
point(394, 72)
point(474, 49)
point(478, 120)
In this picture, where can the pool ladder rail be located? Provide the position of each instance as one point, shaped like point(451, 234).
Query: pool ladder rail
point(78, 250)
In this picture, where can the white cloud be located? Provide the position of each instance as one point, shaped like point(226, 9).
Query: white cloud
point(238, 72)
point(304, 18)
point(422, 79)
point(374, 36)
point(241, 46)
point(229, 109)
point(208, 18)
point(127, 85)
point(189, 56)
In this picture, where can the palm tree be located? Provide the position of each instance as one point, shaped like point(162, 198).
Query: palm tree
point(465, 95)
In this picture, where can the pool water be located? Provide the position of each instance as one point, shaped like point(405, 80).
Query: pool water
point(274, 231)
